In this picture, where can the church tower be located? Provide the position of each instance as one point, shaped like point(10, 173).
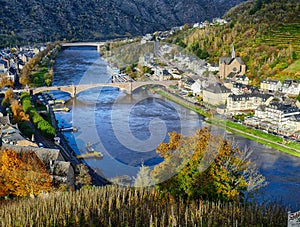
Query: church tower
point(232, 52)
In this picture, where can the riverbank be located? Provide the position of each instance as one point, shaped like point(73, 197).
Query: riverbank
point(269, 140)
point(70, 155)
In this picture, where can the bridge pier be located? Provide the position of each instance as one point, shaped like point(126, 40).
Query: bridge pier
point(129, 90)
point(98, 47)
point(73, 92)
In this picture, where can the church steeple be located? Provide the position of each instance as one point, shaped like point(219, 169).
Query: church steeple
point(232, 52)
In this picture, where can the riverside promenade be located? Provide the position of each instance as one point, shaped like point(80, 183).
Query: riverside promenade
point(222, 123)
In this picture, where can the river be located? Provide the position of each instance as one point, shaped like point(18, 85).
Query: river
point(128, 128)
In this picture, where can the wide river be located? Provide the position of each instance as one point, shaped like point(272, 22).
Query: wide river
point(128, 128)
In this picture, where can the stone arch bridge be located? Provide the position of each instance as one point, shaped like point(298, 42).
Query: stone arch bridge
point(128, 87)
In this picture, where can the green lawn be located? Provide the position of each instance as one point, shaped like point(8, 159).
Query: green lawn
point(294, 68)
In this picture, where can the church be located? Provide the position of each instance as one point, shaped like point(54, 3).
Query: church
point(231, 66)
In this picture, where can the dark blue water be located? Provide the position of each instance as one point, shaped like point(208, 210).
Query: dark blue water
point(127, 129)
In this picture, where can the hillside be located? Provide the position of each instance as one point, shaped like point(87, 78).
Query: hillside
point(265, 33)
point(31, 21)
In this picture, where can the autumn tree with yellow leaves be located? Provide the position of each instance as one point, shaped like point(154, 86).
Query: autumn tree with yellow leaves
point(18, 112)
point(205, 166)
point(23, 174)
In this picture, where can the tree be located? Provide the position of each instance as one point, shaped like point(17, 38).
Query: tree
point(83, 178)
point(5, 81)
point(23, 174)
point(9, 94)
point(205, 166)
point(18, 112)
point(143, 178)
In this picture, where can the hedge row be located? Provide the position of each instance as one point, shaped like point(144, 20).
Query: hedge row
point(44, 126)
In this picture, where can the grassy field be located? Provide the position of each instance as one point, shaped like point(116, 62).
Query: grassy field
point(183, 103)
point(293, 145)
point(294, 68)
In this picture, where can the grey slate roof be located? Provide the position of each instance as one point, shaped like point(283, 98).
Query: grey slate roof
point(228, 60)
point(217, 88)
point(4, 120)
point(247, 96)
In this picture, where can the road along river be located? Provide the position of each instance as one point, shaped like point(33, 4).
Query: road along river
point(128, 128)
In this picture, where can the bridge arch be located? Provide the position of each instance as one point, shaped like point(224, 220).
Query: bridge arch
point(66, 89)
point(165, 84)
point(85, 88)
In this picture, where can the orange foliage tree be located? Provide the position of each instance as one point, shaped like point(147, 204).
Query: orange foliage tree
point(8, 96)
point(204, 166)
point(18, 112)
point(5, 81)
point(23, 174)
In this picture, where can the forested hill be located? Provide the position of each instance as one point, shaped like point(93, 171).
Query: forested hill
point(265, 33)
point(40, 20)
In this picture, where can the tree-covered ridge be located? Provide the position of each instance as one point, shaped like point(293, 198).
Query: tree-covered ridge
point(48, 20)
point(266, 34)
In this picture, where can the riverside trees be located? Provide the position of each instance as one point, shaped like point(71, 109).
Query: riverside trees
point(44, 126)
point(205, 166)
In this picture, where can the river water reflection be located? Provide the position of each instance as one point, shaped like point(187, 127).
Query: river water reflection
point(127, 128)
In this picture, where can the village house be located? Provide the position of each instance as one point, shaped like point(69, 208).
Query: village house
point(270, 85)
point(290, 87)
point(198, 86)
point(10, 134)
point(186, 84)
point(233, 64)
point(215, 94)
point(176, 73)
point(238, 88)
point(234, 78)
point(246, 102)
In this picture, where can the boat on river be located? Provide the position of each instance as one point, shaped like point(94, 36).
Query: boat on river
point(60, 109)
point(69, 129)
point(90, 153)
point(56, 101)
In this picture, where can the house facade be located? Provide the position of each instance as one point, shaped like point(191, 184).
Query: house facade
point(290, 87)
point(279, 117)
point(270, 85)
point(247, 102)
point(216, 94)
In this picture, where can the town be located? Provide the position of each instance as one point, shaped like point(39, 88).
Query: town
point(150, 113)
point(220, 89)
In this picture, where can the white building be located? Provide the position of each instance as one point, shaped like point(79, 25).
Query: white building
point(283, 118)
point(291, 87)
point(247, 102)
point(270, 85)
